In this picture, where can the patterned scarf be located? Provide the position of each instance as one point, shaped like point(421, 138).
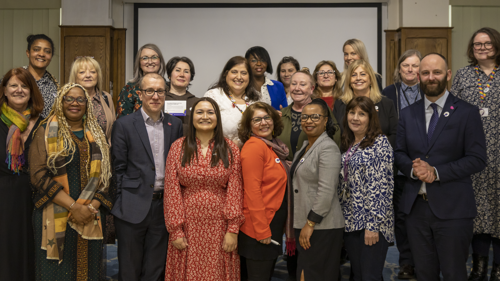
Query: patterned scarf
point(282, 151)
point(17, 124)
point(55, 217)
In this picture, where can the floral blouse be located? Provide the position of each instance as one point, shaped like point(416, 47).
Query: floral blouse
point(128, 100)
point(366, 195)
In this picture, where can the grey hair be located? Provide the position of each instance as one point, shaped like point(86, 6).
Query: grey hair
point(404, 56)
point(138, 74)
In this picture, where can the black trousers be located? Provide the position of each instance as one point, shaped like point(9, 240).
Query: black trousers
point(438, 245)
point(400, 232)
point(367, 262)
point(142, 247)
point(260, 270)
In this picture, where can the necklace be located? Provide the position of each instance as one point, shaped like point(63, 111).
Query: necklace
point(231, 98)
point(482, 93)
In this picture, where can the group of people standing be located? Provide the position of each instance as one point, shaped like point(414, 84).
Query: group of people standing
point(205, 188)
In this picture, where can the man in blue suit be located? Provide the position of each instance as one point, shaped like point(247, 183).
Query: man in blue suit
point(141, 142)
point(440, 143)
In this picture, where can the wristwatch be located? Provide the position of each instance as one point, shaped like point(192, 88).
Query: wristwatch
point(310, 223)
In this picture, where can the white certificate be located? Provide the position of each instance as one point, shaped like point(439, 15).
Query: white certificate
point(175, 107)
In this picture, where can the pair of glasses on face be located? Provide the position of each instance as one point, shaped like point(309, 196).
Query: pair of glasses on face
point(479, 46)
point(329, 73)
point(257, 60)
point(258, 120)
point(152, 58)
point(151, 92)
point(79, 100)
point(314, 117)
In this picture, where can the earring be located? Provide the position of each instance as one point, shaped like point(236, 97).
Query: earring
point(84, 117)
point(273, 133)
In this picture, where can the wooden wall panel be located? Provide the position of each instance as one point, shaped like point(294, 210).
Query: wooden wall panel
point(392, 54)
point(93, 46)
point(428, 45)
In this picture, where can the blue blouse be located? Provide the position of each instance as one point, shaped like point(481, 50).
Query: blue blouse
point(366, 196)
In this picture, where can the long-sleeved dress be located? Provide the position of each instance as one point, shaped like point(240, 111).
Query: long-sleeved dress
point(202, 203)
point(82, 257)
point(486, 183)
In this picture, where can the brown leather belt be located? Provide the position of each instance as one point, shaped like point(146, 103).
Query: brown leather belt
point(157, 195)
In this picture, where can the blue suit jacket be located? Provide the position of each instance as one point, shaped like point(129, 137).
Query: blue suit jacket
point(457, 150)
point(278, 95)
point(134, 164)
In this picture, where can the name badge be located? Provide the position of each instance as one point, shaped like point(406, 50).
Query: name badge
point(483, 112)
point(277, 160)
point(175, 107)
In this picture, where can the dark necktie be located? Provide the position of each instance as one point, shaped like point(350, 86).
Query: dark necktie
point(433, 122)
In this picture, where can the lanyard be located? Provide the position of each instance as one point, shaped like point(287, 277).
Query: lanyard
point(348, 158)
point(482, 93)
point(406, 98)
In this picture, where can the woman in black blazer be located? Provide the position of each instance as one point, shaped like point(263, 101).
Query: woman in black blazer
point(361, 81)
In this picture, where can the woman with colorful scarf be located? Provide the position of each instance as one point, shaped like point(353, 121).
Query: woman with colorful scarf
point(266, 202)
point(70, 171)
point(20, 106)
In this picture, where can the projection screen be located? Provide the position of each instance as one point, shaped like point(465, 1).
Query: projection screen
point(210, 34)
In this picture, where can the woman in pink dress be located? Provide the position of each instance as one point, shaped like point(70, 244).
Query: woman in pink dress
point(203, 200)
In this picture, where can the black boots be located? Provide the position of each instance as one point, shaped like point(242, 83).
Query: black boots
point(479, 268)
point(495, 272)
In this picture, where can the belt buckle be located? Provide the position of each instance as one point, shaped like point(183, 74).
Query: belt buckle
point(424, 195)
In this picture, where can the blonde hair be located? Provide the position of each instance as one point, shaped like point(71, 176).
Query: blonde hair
point(348, 95)
point(360, 49)
point(337, 90)
point(64, 135)
point(305, 70)
point(80, 64)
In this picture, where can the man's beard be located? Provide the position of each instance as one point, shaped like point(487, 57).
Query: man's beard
point(440, 87)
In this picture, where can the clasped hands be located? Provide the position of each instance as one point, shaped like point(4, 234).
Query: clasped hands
point(423, 171)
point(228, 245)
point(82, 214)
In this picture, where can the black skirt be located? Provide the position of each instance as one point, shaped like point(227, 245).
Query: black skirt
point(250, 248)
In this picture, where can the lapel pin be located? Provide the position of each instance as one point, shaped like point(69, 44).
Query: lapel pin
point(452, 107)
point(277, 160)
point(169, 124)
point(376, 108)
point(302, 160)
point(446, 114)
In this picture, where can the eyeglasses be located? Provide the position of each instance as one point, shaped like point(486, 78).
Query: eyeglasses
point(314, 117)
point(152, 58)
point(79, 100)
point(258, 120)
point(151, 92)
point(257, 60)
point(329, 73)
point(479, 46)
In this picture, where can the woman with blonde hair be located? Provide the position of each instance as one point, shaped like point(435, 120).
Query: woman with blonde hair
point(147, 60)
point(362, 82)
point(70, 171)
point(86, 71)
point(354, 49)
point(328, 77)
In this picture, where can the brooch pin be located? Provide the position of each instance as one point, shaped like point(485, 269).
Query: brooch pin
point(277, 160)
point(446, 114)
point(302, 160)
point(452, 107)
point(376, 108)
point(169, 124)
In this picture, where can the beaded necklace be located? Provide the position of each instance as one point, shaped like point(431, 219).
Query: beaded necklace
point(482, 93)
point(231, 98)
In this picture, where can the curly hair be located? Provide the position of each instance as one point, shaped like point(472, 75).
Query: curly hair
point(245, 126)
point(64, 135)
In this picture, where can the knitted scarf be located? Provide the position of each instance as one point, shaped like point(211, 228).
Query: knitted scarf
point(282, 151)
point(17, 124)
point(55, 217)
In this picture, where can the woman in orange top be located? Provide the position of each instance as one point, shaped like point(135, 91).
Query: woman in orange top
point(265, 202)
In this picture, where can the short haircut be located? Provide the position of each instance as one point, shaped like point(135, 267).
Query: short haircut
point(373, 129)
point(250, 91)
point(32, 38)
point(439, 55)
point(260, 53)
point(306, 71)
point(359, 48)
point(348, 95)
point(337, 89)
point(404, 56)
point(495, 40)
point(152, 75)
point(284, 60)
point(245, 126)
point(137, 63)
point(173, 62)
point(80, 64)
point(36, 100)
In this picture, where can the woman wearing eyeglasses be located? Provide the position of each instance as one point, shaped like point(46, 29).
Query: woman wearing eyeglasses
point(272, 92)
point(317, 218)
point(479, 85)
point(147, 60)
point(327, 82)
point(362, 82)
point(265, 203)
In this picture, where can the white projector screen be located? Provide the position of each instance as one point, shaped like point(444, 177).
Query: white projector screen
point(210, 36)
